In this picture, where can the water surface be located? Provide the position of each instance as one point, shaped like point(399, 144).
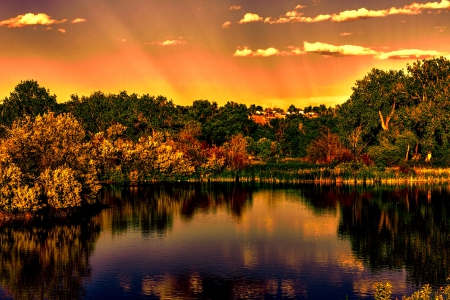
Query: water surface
point(227, 241)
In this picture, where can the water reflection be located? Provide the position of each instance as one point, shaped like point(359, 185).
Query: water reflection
point(151, 209)
point(401, 227)
point(46, 261)
point(228, 241)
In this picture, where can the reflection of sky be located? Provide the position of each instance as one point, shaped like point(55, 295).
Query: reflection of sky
point(277, 247)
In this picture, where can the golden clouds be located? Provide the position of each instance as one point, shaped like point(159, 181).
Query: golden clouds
point(30, 19)
point(249, 18)
point(168, 42)
point(340, 50)
point(235, 7)
point(410, 54)
point(328, 49)
point(226, 25)
point(347, 15)
point(246, 52)
point(78, 20)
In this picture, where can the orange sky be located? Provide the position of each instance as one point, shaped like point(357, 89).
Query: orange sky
point(265, 52)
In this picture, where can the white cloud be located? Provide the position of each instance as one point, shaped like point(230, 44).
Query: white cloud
point(30, 19)
point(249, 18)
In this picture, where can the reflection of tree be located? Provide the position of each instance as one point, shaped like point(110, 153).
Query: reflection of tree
point(324, 198)
point(407, 227)
point(46, 262)
point(206, 286)
point(152, 208)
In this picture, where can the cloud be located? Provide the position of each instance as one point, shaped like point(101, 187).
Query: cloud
point(328, 49)
point(346, 33)
point(62, 30)
point(410, 54)
point(361, 13)
point(78, 20)
point(352, 15)
point(246, 52)
point(235, 7)
point(226, 25)
point(169, 42)
point(250, 17)
point(298, 19)
point(340, 50)
point(30, 19)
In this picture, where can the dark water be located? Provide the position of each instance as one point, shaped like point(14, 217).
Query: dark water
point(226, 241)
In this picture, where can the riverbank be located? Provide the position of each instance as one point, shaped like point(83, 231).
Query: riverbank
point(340, 174)
point(52, 215)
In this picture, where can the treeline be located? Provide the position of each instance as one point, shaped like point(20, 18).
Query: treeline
point(398, 119)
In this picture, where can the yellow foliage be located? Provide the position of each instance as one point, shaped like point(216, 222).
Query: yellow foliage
point(61, 188)
point(44, 161)
point(150, 156)
point(14, 193)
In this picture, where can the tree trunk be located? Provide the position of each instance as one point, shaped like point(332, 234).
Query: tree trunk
point(385, 124)
point(407, 152)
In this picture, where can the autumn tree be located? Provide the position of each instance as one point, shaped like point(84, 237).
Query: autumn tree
point(327, 148)
point(45, 162)
point(151, 157)
point(237, 158)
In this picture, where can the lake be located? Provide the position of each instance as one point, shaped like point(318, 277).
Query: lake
point(234, 241)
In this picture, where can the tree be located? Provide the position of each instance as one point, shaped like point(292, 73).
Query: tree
point(230, 120)
point(45, 162)
point(374, 103)
point(151, 157)
point(327, 148)
point(237, 158)
point(27, 99)
point(428, 115)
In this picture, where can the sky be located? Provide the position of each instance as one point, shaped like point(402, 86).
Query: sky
point(264, 52)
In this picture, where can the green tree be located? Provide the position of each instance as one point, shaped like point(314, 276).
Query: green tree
point(27, 99)
point(230, 120)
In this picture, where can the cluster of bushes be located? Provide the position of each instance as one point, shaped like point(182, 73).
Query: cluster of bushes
point(384, 291)
point(46, 162)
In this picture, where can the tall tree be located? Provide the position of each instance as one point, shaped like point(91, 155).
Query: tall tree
point(374, 103)
point(27, 99)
